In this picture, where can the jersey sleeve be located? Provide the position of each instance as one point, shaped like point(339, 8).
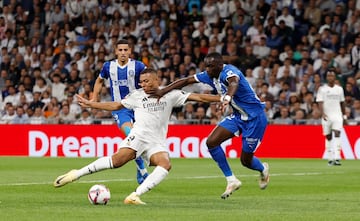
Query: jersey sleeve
point(227, 73)
point(202, 77)
point(342, 96)
point(104, 73)
point(139, 66)
point(179, 97)
point(319, 95)
point(130, 101)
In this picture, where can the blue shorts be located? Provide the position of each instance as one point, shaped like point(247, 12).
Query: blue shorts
point(122, 116)
point(252, 130)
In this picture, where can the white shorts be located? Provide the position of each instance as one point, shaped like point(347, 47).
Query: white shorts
point(329, 125)
point(142, 148)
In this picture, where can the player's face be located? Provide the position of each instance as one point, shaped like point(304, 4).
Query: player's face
point(149, 82)
point(330, 77)
point(122, 52)
point(213, 68)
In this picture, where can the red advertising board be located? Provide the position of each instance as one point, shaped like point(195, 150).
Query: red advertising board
point(184, 141)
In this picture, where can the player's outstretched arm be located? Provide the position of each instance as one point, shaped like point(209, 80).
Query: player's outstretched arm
point(109, 106)
point(204, 97)
point(97, 88)
point(178, 84)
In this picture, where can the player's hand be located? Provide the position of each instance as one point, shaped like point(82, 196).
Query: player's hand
point(155, 93)
point(225, 107)
point(82, 101)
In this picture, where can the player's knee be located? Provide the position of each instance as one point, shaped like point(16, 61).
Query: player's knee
point(246, 162)
point(210, 143)
point(166, 165)
point(337, 133)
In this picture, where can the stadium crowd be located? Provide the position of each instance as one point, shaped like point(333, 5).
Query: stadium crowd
point(54, 49)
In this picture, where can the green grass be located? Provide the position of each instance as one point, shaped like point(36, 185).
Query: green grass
point(298, 190)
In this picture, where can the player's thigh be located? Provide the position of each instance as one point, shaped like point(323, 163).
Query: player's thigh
point(326, 127)
point(253, 133)
point(337, 125)
point(150, 151)
point(122, 156)
point(225, 130)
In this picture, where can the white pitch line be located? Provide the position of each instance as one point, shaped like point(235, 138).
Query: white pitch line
point(175, 178)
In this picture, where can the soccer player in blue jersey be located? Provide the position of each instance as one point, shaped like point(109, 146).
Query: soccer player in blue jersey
point(248, 117)
point(123, 74)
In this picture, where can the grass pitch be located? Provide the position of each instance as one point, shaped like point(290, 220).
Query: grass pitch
point(298, 190)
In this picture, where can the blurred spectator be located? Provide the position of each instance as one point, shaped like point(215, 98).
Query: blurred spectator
point(265, 95)
point(299, 117)
point(57, 88)
point(313, 13)
point(40, 85)
point(12, 96)
point(270, 111)
point(37, 117)
point(315, 118)
point(9, 114)
point(85, 118)
point(53, 114)
point(284, 117)
point(66, 117)
point(36, 102)
point(355, 110)
point(201, 117)
point(189, 112)
point(355, 54)
point(22, 91)
point(20, 116)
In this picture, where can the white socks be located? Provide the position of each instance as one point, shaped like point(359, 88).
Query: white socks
point(333, 149)
point(154, 178)
point(230, 178)
point(98, 165)
point(329, 150)
point(337, 148)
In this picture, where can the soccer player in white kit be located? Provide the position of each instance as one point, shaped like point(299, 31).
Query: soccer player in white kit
point(330, 97)
point(147, 137)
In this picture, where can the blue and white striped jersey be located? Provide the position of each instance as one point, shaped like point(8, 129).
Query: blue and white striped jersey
point(123, 79)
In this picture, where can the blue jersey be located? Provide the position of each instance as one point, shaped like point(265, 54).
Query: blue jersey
point(245, 101)
point(123, 80)
point(249, 117)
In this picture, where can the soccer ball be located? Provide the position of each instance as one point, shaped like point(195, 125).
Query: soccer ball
point(99, 194)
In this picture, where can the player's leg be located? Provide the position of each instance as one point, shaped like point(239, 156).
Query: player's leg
point(225, 130)
point(124, 119)
point(327, 132)
point(336, 127)
point(141, 172)
point(251, 140)
point(162, 162)
point(116, 160)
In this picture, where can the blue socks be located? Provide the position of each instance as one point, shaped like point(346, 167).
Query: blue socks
point(218, 155)
point(256, 164)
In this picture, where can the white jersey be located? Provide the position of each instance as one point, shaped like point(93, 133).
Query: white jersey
point(331, 98)
point(152, 115)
